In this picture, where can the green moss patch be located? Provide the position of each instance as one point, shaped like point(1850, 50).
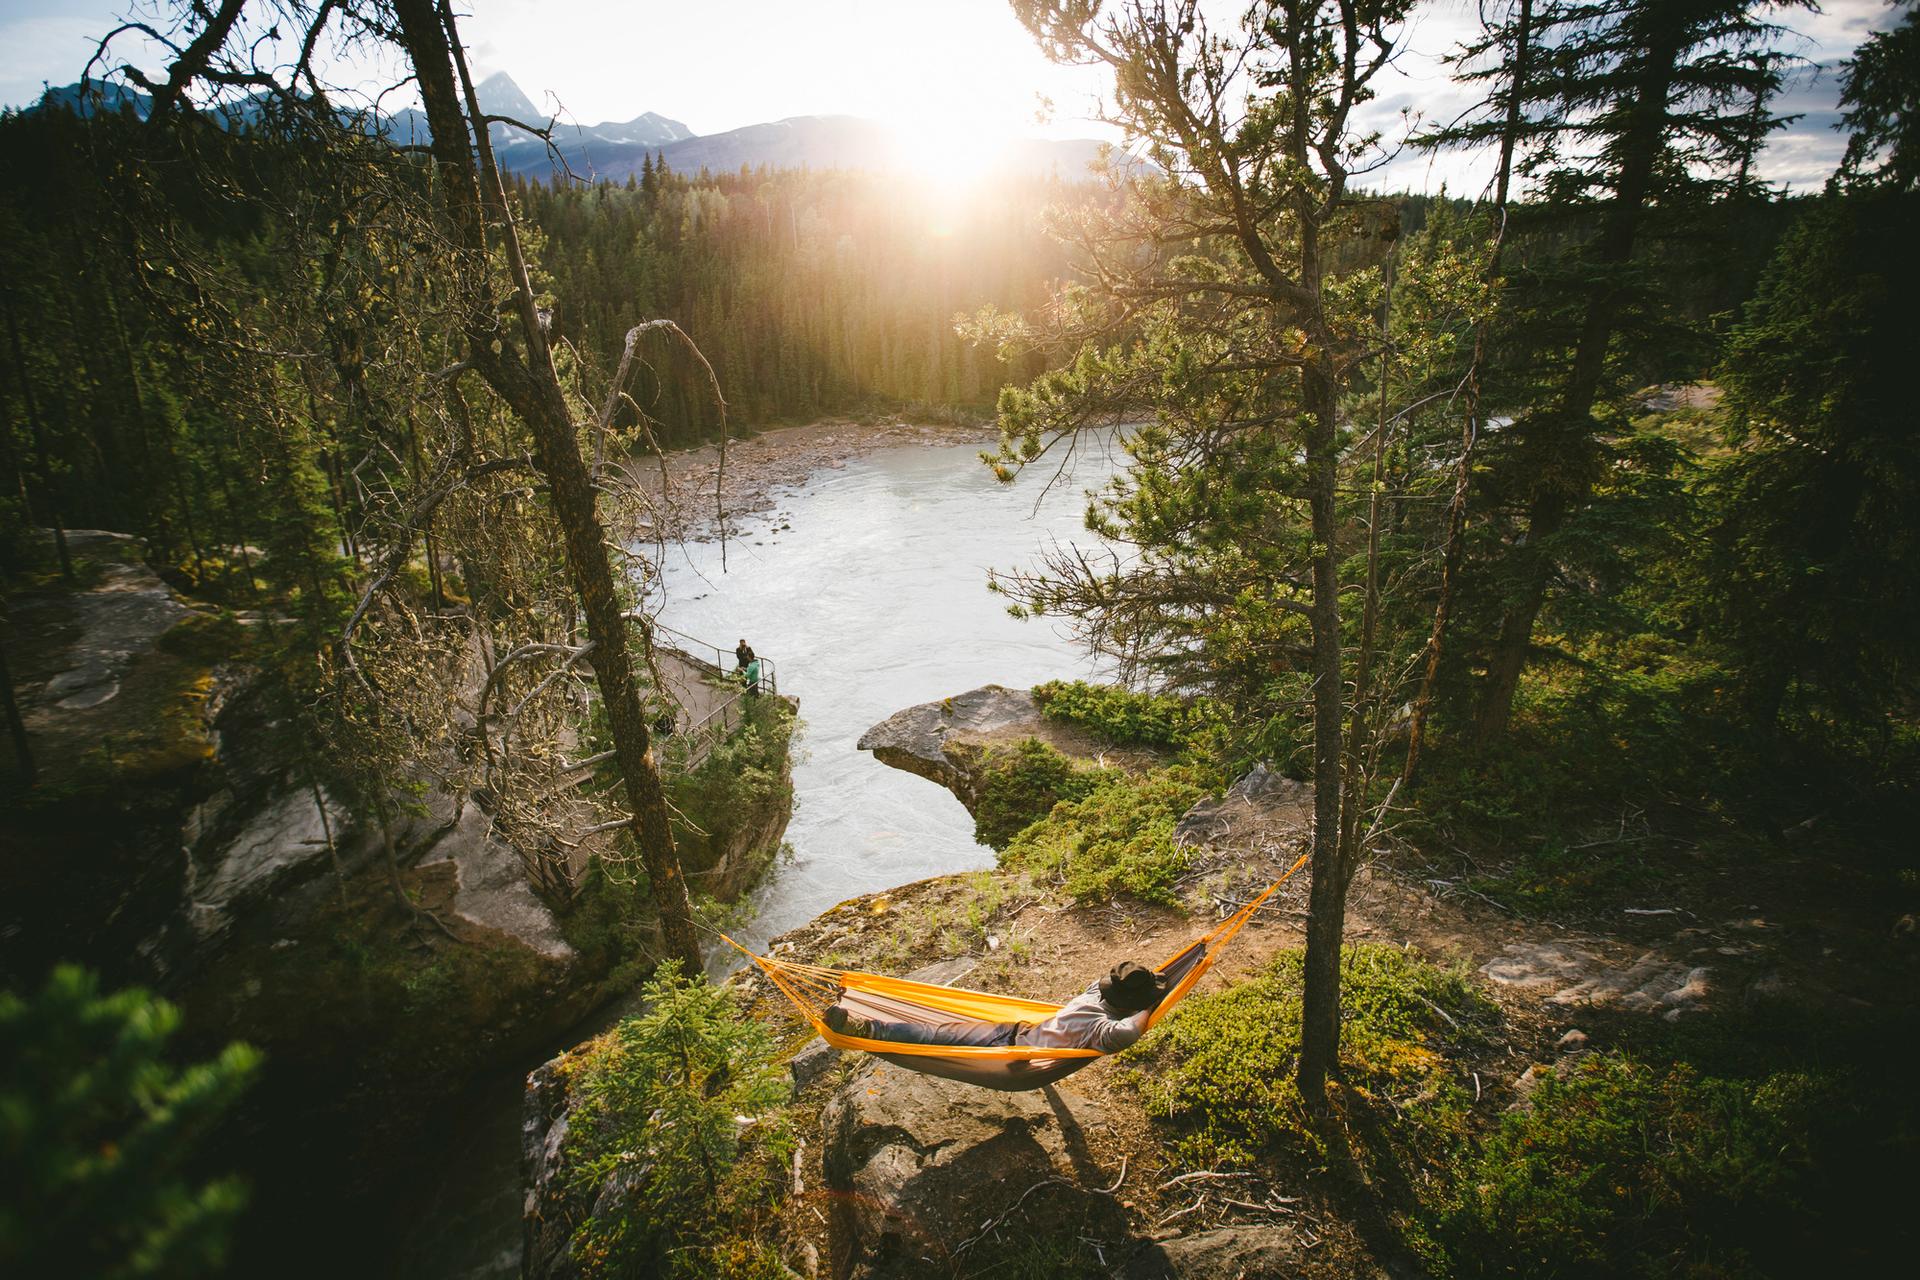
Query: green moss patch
point(1117, 839)
point(1020, 784)
point(1122, 716)
point(1220, 1070)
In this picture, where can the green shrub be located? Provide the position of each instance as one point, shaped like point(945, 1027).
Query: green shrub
point(1116, 839)
point(1626, 1168)
point(97, 1135)
point(1221, 1068)
point(206, 638)
point(656, 1140)
point(740, 783)
point(1120, 715)
point(1020, 785)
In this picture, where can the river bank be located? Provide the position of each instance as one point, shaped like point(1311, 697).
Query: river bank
point(688, 494)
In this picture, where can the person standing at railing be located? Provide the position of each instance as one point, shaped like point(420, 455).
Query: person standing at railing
point(742, 655)
point(753, 678)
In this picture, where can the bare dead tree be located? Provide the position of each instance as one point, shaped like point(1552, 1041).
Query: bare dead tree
point(492, 315)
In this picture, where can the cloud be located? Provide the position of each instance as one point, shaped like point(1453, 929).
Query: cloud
point(38, 51)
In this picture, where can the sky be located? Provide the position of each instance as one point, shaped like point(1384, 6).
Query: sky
point(935, 68)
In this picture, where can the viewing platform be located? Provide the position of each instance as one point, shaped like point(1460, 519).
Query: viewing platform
point(709, 696)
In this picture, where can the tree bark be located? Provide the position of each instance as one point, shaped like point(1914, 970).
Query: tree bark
point(16, 728)
point(1456, 538)
point(1327, 900)
point(529, 387)
point(1568, 429)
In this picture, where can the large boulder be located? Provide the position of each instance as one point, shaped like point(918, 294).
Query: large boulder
point(937, 740)
point(927, 1170)
point(1229, 1253)
point(1261, 796)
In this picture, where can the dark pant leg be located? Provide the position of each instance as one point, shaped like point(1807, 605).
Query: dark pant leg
point(977, 1034)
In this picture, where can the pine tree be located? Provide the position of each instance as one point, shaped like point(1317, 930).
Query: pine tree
point(98, 1133)
point(1215, 308)
point(1637, 116)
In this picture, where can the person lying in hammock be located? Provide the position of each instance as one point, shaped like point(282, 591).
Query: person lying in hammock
point(1109, 1015)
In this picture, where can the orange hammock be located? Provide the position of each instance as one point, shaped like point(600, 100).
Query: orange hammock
point(870, 995)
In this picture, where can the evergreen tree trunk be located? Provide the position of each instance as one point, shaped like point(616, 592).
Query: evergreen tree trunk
point(1456, 537)
point(1327, 900)
point(16, 728)
point(1565, 463)
point(1320, 998)
point(533, 392)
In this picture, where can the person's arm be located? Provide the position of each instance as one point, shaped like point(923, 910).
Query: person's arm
point(1115, 1034)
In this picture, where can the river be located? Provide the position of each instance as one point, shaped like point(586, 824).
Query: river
point(866, 586)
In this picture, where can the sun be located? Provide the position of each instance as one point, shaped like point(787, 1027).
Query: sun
point(948, 152)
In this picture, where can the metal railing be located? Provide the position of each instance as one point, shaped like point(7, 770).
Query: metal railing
point(688, 748)
point(769, 673)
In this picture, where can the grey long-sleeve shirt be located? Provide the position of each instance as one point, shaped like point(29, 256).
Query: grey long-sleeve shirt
point(1085, 1022)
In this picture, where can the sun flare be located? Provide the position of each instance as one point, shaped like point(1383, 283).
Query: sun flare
point(947, 151)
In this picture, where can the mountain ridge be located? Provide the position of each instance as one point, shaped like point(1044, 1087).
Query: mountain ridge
point(613, 150)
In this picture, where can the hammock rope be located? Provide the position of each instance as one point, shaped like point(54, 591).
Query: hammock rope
point(814, 988)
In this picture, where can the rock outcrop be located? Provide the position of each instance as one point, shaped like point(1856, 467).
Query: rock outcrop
point(547, 1217)
point(114, 622)
point(947, 741)
point(929, 1168)
point(1576, 976)
point(491, 887)
point(1229, 1253)
point(940, 741)
point(1258, 796)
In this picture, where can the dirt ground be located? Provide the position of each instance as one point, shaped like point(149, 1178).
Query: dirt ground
point(1724, 937)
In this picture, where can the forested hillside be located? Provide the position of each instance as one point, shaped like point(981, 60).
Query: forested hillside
point(812, 293)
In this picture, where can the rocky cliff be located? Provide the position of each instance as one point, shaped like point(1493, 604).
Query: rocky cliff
point(945, 741)
point(176, 836)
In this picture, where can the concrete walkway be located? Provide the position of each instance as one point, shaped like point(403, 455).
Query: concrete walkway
point(709, 697)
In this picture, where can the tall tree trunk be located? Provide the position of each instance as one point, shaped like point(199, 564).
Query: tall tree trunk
point(41, 461)
point(531, 389)
point(1567, 433)
point(1327, 900)
point(1456, 539)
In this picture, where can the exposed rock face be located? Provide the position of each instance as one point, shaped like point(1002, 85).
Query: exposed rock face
point(113, 622)
point(929, 739)
point(1230, 1253)
point(283, 838)
point(928, 1164)
point(1576, 976)
point(1257, 796)
point(493, 888)
point(744, 846)
point(545, 1217)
